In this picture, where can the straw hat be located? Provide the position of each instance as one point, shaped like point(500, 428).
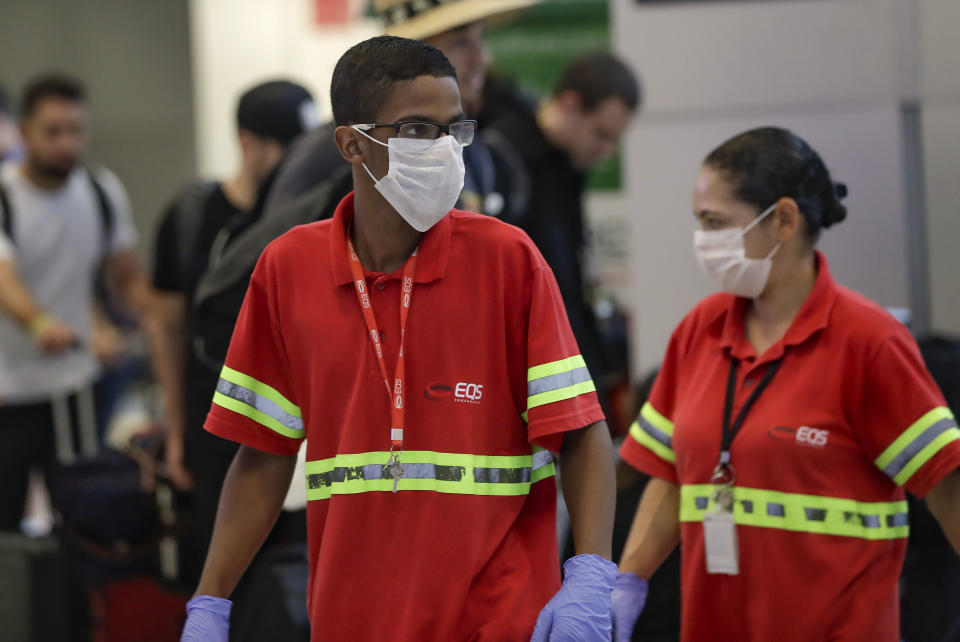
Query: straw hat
point(419, 19)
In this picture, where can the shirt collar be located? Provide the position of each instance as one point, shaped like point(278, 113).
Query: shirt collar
point(814, 315)
point(431, 260)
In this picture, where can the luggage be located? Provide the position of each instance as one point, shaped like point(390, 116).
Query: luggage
point(34, 583)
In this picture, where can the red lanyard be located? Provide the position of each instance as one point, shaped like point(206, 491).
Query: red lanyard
point(395, 392)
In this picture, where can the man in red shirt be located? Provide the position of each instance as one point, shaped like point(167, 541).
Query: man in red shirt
point(431, 510)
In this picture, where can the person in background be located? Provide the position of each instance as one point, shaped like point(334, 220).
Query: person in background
point(559, 140)
point(60, 222)
point(444, 486)
point(10, 148)
point(788, 420)
point(268, 117)
point(458, 29)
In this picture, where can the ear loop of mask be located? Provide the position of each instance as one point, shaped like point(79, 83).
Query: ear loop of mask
point(364, 165)
point(764, 214)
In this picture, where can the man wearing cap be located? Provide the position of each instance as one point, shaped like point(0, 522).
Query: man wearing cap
point(269, 117)
point(457, 28)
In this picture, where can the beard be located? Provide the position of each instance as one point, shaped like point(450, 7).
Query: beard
point(54, 171)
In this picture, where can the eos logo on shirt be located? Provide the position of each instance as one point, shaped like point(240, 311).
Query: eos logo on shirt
point(812, 436)
point(462, 392)
point(468, 392)
point(805, 435)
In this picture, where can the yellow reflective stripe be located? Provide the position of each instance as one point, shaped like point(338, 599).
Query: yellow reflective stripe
point(801, 513)
point(252, 413)
point(260, 388)
point(556, 367)
point(560, 395)
point(458, 473)
point(660, 422)
point(647, 440)
point(917, 444)
point(925, 455)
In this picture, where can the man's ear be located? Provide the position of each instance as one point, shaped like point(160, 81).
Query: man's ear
point(788, 218)
point(348, 142)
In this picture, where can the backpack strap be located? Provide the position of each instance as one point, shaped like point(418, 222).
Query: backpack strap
point(107, 214)
point(6, 214)
point(189, 216)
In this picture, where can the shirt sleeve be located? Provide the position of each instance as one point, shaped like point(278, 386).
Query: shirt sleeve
point(124, 235)
point(902, 421)
point(648, 446)
point(166, 262)
point(561, 395)
point(254, 403)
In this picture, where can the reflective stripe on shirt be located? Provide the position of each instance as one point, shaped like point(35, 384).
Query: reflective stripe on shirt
point(654, 431)
point(458, 473)
point(918, 444)
point(801, 513)
point(557, 381)
point(256, 400)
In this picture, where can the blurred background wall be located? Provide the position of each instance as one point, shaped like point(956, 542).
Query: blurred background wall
point(871, 84)
point(134, 57)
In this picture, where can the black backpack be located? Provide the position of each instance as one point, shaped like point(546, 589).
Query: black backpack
point(107, 214)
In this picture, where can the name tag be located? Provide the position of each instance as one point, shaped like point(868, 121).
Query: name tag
point(720, 540)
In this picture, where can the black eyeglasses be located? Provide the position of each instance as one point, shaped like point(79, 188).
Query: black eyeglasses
point(463, 131)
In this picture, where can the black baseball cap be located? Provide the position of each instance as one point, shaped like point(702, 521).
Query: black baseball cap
point(279, 109)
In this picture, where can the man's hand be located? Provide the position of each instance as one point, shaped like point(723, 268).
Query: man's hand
point(580, 611)
point(173, 457)
point(208, 620)
point(51, 335)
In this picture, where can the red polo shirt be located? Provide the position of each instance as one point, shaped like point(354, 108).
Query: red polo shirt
point(850, 419)
point(466, 549)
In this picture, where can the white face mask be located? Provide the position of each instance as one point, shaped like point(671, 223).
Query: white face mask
point(424, 178)
point(722, 256)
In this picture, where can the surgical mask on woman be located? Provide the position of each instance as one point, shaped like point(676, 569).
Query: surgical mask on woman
point(424, 178)
point(722, 256)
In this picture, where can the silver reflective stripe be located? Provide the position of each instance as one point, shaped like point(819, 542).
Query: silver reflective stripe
point(900, 519)
point(776, 510)
point(873, 521)
point(430, 471)
point(557, 381)
point(261, 403)
point(542, 458)
point(655, 432)
point(900, 462)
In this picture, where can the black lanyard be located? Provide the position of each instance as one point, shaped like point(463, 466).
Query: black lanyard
point(730, 431)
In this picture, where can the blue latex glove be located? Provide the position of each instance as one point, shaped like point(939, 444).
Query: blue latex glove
point(580, 611)
point(208, 620)
point(629, 596)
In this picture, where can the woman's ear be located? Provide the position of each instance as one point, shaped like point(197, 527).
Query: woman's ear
point(787, 217)
point(348, 142)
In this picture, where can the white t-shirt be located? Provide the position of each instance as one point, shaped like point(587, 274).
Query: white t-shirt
point(57, 246)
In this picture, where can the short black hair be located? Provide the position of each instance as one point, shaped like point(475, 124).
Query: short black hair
point(365, 75)
point(595, 77)
point(766, 164)
point(53, 85)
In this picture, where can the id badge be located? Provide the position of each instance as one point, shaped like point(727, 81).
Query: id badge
point(720, 540)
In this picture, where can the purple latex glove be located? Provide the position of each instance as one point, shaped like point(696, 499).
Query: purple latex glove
point(629, 596)
point(208, 620)
point(580, 611)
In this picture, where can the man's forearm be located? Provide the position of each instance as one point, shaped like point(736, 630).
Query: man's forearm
point(250, 502)
point(15, 300)
point(589, 488)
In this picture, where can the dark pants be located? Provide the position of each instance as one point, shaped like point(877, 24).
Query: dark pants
point(40, 436)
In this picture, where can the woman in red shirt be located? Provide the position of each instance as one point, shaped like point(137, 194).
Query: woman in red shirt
point(788, 418)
